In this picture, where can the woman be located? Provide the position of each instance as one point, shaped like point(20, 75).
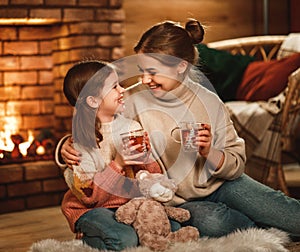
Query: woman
point(211, 182)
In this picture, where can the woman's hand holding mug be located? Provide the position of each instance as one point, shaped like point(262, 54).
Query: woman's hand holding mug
point(203, 140)
point(69, 154)
point(194, 136)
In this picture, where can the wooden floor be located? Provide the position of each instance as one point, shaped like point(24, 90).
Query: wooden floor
point(19, 230)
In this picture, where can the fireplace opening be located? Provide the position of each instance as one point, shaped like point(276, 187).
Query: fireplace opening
point(15, 148)
point(27, 101)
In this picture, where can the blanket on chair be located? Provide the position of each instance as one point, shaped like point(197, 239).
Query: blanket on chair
point(259, 124)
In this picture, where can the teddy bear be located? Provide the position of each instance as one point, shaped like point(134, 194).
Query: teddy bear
point(150, 217)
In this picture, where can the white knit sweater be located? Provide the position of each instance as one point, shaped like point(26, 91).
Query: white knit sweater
point(97, 159)
point(189, 102)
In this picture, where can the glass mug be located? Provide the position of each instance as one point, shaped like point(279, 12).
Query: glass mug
point(138, 137)
point(188, 131)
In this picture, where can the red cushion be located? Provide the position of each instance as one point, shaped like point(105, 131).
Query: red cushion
point(263, 80)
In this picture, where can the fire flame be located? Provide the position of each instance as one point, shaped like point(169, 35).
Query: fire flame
point(25, 145)
point(10, 128)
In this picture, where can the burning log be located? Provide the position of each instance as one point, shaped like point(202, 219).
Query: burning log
point(40, 148)
point(16, 139)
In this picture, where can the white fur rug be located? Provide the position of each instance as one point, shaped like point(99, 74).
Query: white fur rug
point(251, 240)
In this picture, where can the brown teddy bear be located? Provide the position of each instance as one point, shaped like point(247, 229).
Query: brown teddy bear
point(149, 216)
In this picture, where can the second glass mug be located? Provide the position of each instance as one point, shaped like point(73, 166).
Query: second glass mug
point(188, 131)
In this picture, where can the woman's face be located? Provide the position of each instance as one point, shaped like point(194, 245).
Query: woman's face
point(112, 102)
point(158, 77)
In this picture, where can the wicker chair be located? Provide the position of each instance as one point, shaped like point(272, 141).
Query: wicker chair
point(261, 47)
point(266, 48)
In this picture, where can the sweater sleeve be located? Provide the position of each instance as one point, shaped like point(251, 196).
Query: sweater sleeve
point(106, 186)
point(58, 158)
point(227, 141)
point(152, 167)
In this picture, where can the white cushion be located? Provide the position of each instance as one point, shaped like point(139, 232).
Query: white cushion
point(289, 46)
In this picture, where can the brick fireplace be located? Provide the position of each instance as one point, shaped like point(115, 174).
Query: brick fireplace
point(40, 40)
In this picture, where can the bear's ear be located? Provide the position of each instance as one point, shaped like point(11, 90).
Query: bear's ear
point(142, 174)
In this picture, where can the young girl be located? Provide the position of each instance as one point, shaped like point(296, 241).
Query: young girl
point(98, 184)
point(211, 182)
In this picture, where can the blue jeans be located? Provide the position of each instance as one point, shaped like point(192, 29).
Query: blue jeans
point(101, 230)
point(241, 204)
point(237, 204)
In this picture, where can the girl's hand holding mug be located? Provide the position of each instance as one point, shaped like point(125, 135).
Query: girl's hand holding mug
point(135, 151)
point(136, 147)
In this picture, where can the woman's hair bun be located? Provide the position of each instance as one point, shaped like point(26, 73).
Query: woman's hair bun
point(195, 30)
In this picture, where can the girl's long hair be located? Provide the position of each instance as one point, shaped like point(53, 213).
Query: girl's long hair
point(82, 80)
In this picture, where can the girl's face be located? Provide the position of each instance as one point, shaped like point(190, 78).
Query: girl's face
point(112, 102)
point(158, 77)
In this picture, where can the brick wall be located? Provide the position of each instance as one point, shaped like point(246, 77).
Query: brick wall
point(35, 57)
point(30, 185)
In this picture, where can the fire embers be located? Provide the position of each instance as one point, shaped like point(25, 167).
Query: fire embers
point(39, 148)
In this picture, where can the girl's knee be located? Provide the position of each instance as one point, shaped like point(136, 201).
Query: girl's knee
point(114, 242)
point(129, 240)
point(107, 234)
point(121, 241)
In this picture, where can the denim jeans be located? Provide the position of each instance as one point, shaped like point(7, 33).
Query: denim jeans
point(244, 203)
point(101, 230)
point(237, 204)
